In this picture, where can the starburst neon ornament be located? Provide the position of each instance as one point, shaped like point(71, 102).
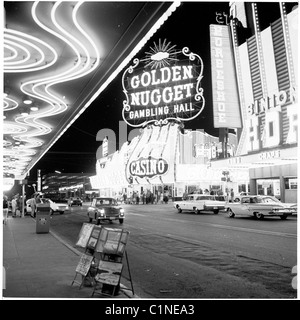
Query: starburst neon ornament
point(160, 55)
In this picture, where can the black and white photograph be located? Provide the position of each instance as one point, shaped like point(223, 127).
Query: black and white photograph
point(164, 131)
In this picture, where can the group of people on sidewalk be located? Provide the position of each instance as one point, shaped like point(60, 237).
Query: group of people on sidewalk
point(146, 197)
point(16, 207)
point(17, 204)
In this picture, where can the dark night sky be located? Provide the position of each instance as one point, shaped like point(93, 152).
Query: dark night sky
point(76, 150)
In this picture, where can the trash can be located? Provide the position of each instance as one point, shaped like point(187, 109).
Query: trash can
point(42, 217)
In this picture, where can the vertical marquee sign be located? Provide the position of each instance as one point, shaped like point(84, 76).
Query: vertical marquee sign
point(162, 87)
point(225, 92)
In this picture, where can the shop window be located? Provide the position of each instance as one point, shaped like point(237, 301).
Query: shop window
point(290, 183)
point(243, 188)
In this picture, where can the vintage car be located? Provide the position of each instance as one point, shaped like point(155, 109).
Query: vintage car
point(260, 206)
point(55, 206)
point(75, 202)
point(201, 202)
point(105, 208)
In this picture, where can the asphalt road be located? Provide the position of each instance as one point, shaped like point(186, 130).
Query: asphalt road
point(183, 255)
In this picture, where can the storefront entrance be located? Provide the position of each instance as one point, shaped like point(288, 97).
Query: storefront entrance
point(268, 187)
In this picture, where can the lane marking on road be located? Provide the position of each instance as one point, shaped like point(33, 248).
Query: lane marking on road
point(135, 214)
point(265, 232)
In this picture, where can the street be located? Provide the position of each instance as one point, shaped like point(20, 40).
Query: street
point(183, 255)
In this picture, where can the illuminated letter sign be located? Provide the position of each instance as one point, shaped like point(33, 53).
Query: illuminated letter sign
point(148, 167)
point(225, 93)
point(166, 86)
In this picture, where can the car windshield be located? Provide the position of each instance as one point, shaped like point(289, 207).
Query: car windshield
point(252, 200)
point(105, 202)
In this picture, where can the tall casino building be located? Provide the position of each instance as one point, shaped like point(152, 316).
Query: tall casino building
point(264, 48)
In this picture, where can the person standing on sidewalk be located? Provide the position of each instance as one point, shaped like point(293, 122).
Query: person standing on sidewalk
point(37, 200)
point(14, 206)
point(32, 205)
point(5, 209)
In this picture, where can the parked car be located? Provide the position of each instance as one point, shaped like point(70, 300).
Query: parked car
point(75, 202)
point(105, 208)
point(58, 206)
point(28, 207)
point(260, 206)
point(201, 202)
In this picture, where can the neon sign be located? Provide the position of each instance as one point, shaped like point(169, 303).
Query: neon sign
point(274, 101)
point(226, 107)
point(166, 86)
point(265, 117)
point(148, 167)
point(222, 18)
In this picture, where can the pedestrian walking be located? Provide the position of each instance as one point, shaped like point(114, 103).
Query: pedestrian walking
point(148, 196)
point(161, 198)
point(5, 209)
point(231, 195)
point(143, 197)
point(18, 208)
point(32, 204)
point(14, 206)
point(166, 198)
point(37, 201)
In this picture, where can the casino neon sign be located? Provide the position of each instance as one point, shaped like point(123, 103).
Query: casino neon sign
point(148, 167)
point(163, 86)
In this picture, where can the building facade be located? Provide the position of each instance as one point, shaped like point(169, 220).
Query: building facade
point(163, 159)
point(266, 58)
point(254, 63)
point(68, 185)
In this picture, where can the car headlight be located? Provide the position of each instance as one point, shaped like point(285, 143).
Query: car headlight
point(122, 211)
point(101, 212)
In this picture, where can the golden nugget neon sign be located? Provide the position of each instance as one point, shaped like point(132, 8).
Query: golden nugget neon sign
point(166, 88)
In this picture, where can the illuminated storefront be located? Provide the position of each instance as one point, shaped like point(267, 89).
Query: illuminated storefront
point(162, 159)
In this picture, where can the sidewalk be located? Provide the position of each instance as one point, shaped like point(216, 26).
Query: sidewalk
point(41, 266)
